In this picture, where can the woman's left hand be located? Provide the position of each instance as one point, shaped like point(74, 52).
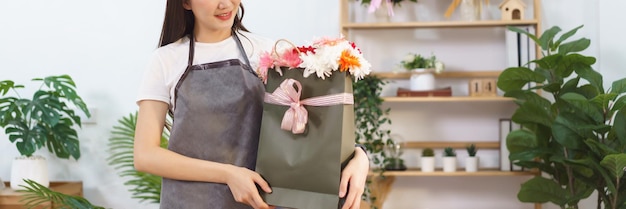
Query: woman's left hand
point(354, 175)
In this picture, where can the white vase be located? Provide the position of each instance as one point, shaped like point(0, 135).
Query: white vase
point(449, 164)
point(471, 164)
point(403, 13)
point(427, 164)
point(470, 10)
point(422, 80)
point(34, 168)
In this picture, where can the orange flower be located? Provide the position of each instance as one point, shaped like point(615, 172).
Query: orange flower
point(347, 61)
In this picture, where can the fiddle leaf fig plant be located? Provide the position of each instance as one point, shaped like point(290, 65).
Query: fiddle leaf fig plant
point(573, 129)
point(44, 120)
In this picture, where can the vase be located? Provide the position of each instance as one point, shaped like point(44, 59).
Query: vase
point(449, 164)
point(470, 10)
point(422, 80)
point(403, 13)
point(34, 168)
point(379, 15)
point(471, 164)
point(427, 164)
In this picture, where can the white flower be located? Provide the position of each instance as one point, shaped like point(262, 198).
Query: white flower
point(439, 67)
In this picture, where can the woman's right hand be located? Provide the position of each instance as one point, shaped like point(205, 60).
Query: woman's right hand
point(242, 183)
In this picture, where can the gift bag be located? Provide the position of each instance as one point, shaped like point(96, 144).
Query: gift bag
point(304, 169)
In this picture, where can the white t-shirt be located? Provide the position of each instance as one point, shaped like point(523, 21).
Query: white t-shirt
point(168, 63)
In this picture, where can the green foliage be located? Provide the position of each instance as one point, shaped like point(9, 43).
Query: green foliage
point(45, 120)
point(143, 186)
point(416, 61)
point(369, 119)
point(577, 137)
point(449, 152)
point(428, 152)
point(471, 150)
point(36, 194)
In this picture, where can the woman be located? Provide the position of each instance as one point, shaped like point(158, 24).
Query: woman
point(215, 97)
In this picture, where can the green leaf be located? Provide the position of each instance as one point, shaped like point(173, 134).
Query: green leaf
point(619, 122)
point(564, 132)
point(584, 106)
point(619, 86)
point(522, 145)
point(546, 40)
point(574, 46)
point(594, 78)
point(36, 194)
point(533, 113)
point(542, 190)
point(566, 35)
point(524, 96)
point(517, 77)
point(615, 164)
point(67, 89)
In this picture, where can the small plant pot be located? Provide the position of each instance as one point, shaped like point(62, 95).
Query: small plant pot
point(471, 164)
point(422, 80)
point(395, 164)
point(34, 168)
point(428, 164)
point(449, 164)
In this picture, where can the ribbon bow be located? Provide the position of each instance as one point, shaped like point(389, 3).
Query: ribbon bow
point(296, 116)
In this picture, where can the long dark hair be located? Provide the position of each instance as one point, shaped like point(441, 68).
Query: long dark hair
point(179, 22)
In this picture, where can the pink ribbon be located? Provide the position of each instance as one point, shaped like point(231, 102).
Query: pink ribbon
point(296, 116)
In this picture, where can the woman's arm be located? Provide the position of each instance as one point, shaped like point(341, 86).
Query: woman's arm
point(149, 157)
point(354, 176)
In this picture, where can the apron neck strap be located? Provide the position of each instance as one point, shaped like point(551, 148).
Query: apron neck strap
point(192, 46)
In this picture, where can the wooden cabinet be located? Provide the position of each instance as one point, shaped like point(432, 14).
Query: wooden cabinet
point(10, 199)
point(404, 104)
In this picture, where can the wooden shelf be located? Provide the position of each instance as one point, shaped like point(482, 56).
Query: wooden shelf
point(439, 24)
point(411, 172)
point(448, 99)
point(455, 145)
point(448, 74)
point(10, 199)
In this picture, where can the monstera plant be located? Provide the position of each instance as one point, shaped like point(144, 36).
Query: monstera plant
point(574, 130)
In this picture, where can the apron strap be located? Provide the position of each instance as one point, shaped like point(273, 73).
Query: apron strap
point(192, 46)
point(241, 49)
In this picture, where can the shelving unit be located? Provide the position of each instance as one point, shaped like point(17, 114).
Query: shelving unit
point(346, 27)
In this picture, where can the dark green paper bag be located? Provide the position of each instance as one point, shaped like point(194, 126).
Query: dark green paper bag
point(304, 170)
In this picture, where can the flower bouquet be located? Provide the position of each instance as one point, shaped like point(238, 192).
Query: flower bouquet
point(307, 129)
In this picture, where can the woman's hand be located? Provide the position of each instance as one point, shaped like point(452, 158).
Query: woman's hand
point(354, 175)
point(242, 183)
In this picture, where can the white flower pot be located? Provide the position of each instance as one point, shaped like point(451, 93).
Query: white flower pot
point(34, 168)
point(422, 80)
point(449, 164)
point(428, 164)
point(471, 164)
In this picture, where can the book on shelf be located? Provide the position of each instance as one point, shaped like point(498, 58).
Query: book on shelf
point(440, 92)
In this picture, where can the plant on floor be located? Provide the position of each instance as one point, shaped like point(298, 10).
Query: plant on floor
point(573, 128)
point(369, 119)
point(36, 194)
point(44, 120)
point(143, 186)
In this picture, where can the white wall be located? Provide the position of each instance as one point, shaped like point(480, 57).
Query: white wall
point(104, 46)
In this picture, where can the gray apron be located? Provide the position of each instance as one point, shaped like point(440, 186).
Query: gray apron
point(217, 117)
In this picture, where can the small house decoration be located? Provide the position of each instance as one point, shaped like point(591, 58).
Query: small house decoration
point(512, 9)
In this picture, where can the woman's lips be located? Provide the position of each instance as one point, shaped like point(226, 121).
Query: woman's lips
point(224, 16)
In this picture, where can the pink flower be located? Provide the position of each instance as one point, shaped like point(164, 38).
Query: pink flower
point(289, 58)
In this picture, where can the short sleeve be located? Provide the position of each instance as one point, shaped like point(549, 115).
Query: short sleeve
point(153, 84)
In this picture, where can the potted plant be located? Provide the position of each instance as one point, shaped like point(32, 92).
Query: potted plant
point(44, 120)
point(422, 69)
point(573, 128)
point(449, 160)
point(428, 160)
point(471, 162)
point(394, 161)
